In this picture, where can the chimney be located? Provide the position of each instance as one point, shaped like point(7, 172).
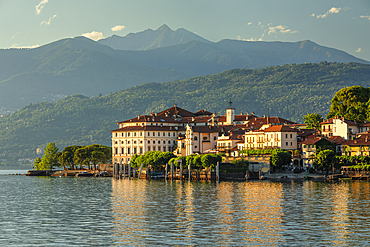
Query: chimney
point(138, 116)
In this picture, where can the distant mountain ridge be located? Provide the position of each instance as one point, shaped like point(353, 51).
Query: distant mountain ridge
point(151, 39)
point(82, 66)
point(288, 91)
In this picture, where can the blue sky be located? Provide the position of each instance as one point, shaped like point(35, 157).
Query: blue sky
point(344, 25)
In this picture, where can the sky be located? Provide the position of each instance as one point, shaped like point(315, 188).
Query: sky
point(344, 25)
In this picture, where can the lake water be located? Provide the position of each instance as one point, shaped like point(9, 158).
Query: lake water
point(44, 211)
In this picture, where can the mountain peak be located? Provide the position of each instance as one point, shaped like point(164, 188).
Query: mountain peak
point(164, 27)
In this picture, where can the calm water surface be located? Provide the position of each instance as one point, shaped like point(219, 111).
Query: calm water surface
point(38, 211)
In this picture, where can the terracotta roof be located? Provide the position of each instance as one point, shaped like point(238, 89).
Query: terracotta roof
point(196, 119)
point(336, 140)
point(203, 112)
point(306, 132)
point(312, 140)
point(148, 118)
point(257, 123)
point(176, 111)
point(328, 121)
point(366, 124)
point(280, 128)
point(149, 128)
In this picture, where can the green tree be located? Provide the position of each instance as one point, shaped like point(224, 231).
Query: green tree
point(313, 120)
point(281, 158)
point(50, 157)
point(350, 103)
point(324, 159)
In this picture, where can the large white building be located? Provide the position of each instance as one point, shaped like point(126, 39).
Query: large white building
point(154, 132)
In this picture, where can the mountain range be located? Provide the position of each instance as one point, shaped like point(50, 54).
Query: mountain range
point(287, 91)
point(82, 66)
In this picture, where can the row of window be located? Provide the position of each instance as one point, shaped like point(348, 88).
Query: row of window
point(153, 142)
point(139, 150)
point(134, 134)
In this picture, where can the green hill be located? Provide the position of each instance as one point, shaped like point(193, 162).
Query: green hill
point(288, 91)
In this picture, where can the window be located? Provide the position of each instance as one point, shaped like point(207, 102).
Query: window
point(164, 149)
point(169, 142)
point(159, 148)
point(116, 150)
point(128, 134)
point(195, 138)
point(116, 134)
point(169, 134)
point(148, 142)
point(153, 148)
point(153, 133)
point(286, 144)
point(134, 142)
point(141, 133)
point(148, 148)
point(159, 142)
point(291, 143)
point(214, 138)
point(286, 136)
point(141, 150)
point(128, 142)
point(122, 150)
point(291, 136)
point(153, 142)
point(148, 133)
point(135, 150)
point(195, 146)
point(174, 134)
point(134, 133)
point(128, 150)
point(159, 134)
point(164, 134)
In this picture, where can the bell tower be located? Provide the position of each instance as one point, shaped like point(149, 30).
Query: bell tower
point(230, 114)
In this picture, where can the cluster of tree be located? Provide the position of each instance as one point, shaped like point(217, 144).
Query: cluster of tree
point(157, 159)
point(280, 158)
point(352, 103)
point(298, 89)
point(249, 152)
point(153, 158)
point(73, 156)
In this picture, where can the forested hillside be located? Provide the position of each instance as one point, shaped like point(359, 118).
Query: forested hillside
point(289, 91)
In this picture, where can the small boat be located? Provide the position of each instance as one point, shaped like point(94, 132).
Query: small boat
point(84, 174)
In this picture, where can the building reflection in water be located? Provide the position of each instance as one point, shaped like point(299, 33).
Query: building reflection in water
point(196, 213)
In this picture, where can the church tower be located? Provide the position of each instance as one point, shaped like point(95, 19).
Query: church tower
point(230, 114)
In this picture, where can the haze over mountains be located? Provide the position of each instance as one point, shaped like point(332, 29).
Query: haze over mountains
point(79, 65)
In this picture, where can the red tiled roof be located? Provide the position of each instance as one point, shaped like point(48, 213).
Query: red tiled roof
point(280, 128)
point(203, 112)
point(336, 139)
point(176, 111)
point(149, 128)
point(312, 140)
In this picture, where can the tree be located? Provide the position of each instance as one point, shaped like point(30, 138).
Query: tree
point(313, 120)
point(281, 158)
point(50, 157)
point(350, 103)
point(324, 159)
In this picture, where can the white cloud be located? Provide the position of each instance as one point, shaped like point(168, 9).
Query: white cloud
point(281, 29)
point(249, 23)
point(365, 16)
point(117, 28)
point(331, 11)
point(40, 6)
point(48, 22)
point(94, 35)
point(312, 15)
point(15, 46)
point(359, 50)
